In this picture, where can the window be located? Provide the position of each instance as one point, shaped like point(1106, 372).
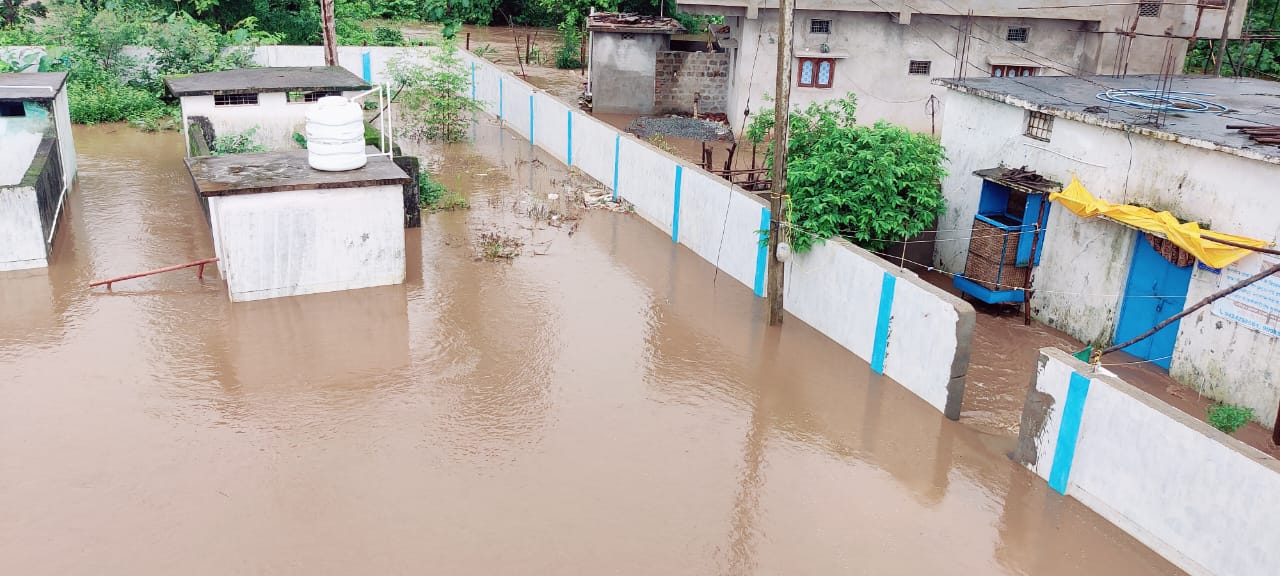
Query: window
point(300, 97)
point(1017, 33)
point(819, 26)
point(815, 72)
point(628, 36)
point(1149, 9)
point(1039, 125)
point(1002, 71)
point(235, 99)
point(12, 109)
point(919, 67)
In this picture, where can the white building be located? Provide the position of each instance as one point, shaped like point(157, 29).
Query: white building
point(887, 52)
point(1103, 282)
point(272, 102)
point(281, 228)
point(37, 166)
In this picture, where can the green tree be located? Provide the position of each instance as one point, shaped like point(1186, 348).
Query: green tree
point(870, 184)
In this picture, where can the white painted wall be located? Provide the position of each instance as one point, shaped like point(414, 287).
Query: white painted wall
point(21, 234)
point(1200, 498)
point(837, 288)
point(278, 244)
point(66, 141)
point(1085, 264)
point(274, 117)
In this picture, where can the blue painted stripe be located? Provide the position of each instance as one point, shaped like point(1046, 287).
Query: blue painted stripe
point(500, 97)
point(473, 81)
point(762, 251)
point(675, 214)
point(617, 144)
point(367, 67)
point(569, 129)
point(531, 118)
point(881, 344)
point(1068, 432)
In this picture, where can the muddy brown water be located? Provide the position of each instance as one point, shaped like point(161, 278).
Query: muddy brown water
point(610, 406)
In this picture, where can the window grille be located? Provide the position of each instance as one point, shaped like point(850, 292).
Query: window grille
point(235, 99)
point(919, 67)
point(1039, 125)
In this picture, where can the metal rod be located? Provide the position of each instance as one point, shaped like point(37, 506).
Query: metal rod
point(199, 263)
point(1222, 42)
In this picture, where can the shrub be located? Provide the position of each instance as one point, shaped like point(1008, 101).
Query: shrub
point(111, 101)
point(430, 191)
point(433, 100)
point(569, 55)
point(871, 184)
point(383, 36)
point(240, 143)
point(1228, 417)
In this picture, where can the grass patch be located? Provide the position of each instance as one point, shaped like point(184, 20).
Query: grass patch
point(433, 196)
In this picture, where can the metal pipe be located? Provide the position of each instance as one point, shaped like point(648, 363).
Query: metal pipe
point(200, 274)
point(1222, 42)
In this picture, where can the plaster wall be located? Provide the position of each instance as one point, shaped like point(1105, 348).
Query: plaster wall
point(274, 119)
point(623, 71)
point(21, 233)
point(278, 244)
point(1218, 517)
point(1084, 268)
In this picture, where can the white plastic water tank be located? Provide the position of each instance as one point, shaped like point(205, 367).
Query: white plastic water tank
point(335, 135)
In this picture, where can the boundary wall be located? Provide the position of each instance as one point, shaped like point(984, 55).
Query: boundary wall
point(1202, 499)
point(904, 327)
point(909, 330)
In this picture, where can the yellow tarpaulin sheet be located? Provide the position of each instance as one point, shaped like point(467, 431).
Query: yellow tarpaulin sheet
point(1187, 235)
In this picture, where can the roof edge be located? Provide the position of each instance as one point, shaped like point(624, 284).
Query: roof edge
point(1086, 118)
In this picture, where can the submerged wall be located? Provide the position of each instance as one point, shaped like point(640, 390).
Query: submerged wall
point(912, 332)
point(274, 119)
point(273, 244)
point(1199, 497)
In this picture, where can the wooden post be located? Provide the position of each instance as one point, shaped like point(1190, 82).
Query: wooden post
point(328, 33)
point(781, 123)
point(1222, 41)
point(1031, 262)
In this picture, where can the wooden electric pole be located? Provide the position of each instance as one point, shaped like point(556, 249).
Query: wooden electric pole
point(328, 33)
point(781, 123)
point(1222, 42)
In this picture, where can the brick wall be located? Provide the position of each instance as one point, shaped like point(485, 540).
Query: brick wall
point(683, 75)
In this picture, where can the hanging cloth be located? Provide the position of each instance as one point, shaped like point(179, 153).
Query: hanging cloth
point(1186, 235)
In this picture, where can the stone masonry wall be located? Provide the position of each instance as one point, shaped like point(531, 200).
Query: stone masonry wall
point(683, 75)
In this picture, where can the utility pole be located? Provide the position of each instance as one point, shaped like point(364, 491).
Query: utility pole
point(1222, 42)
point(781, 123)
point(328, 33)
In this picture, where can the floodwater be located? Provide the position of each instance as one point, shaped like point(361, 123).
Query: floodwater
point(603, 403)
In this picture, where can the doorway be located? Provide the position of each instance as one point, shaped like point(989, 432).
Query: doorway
point(1156, 290)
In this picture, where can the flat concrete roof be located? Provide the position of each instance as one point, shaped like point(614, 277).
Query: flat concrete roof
point(27, 87)
point(256, 80)
point(283, 171)
point(1249, 101)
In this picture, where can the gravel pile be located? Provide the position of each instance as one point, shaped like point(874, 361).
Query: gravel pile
point(680, 127)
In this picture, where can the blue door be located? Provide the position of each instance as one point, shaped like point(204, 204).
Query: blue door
point(1157, 289)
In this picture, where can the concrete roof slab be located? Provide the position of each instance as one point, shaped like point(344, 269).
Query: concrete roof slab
point(27, 87)
point(282, 171)
point(257, 80)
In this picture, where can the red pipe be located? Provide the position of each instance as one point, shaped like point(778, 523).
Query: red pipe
point(199, 273)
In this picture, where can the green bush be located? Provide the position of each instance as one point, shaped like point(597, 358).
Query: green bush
point(430, 191)
point(1228, 417)
point(872, 185)
point(569, 55)
point(433, 99)
point(94, 103)
point(383, 36)
point(240, 143)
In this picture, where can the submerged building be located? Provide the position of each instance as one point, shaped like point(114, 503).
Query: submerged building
point(37, 166)
point(268, 104)
point(1211, 157)
point(282, 228)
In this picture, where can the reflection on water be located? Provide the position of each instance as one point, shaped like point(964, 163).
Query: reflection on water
point(611, 405)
